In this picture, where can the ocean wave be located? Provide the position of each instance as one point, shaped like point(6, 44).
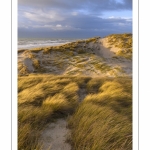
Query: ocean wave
point(27, 43)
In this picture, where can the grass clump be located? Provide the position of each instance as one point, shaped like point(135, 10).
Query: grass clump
point(47, 50)
point(104, 119)
point(126, 53)
point(25, 132)
point(123, 42)
point(93, 85)
point(58, 102)
point(42, 99)
point(103, 67)
point(70, 91)
point(22, 69)
point(36, 50)
point(28, 54)
point(92, 40)
point(31, 120)
point(36, 63)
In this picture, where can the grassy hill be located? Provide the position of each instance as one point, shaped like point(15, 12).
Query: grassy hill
point(89, 82)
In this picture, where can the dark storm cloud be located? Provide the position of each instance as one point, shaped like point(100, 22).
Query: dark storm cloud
point(82, 26)
point(93, 22)
point(72, 18)
point(89, 5)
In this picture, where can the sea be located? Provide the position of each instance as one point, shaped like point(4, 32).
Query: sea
point(28, 43)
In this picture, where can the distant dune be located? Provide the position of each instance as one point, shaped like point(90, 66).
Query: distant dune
point(110, 56)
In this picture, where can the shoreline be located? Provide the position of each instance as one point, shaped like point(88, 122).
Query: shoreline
point(32, 43)
point(53, 45)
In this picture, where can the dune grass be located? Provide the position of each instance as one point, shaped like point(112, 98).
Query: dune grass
point(103, 120)
point(123, 42)
point(42, 99)
point(94, 40)
point(36, 63)
point(22, 69)
point(36, 50)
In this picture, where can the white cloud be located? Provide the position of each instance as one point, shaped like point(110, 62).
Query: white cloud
point(52, 27)
point(74, 13)
point(115, 18)
point(112, 17)
point(58, 25)
point(64, 28)
point(118, 18)
point(41, 16)
point(120, 1)
point(121, 24)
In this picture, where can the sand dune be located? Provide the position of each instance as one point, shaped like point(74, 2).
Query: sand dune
point(97, 57)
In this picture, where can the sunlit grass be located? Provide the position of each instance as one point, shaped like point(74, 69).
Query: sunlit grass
point(104, 120)
point(42, 99)
point(22, 69)
point(101, 120)
point(36, 63)
point(58, 102)
point(123, 42)
point(93, 85)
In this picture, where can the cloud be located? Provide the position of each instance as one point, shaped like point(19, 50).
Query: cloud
point(98, 5)
point(41, 16)
point(66, 18)
point(82, 22)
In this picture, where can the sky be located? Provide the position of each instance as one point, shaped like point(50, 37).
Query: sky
point(73, 18)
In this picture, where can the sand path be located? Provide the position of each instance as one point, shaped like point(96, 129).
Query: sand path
point(108, 53)
point(54, 136)
point(28, 62)
point(104, 51)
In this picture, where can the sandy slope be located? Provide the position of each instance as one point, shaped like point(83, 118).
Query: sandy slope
point(61, 63)
point(54, 136)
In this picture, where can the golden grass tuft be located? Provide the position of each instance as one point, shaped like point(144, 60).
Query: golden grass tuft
point(93, 85)
point(36, 63)
point(28, 54)
point(57, 103)
point(31, 120)
point(104, 120)
point(22, 69)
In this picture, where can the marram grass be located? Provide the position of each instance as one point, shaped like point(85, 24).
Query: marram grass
point(101, 121)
